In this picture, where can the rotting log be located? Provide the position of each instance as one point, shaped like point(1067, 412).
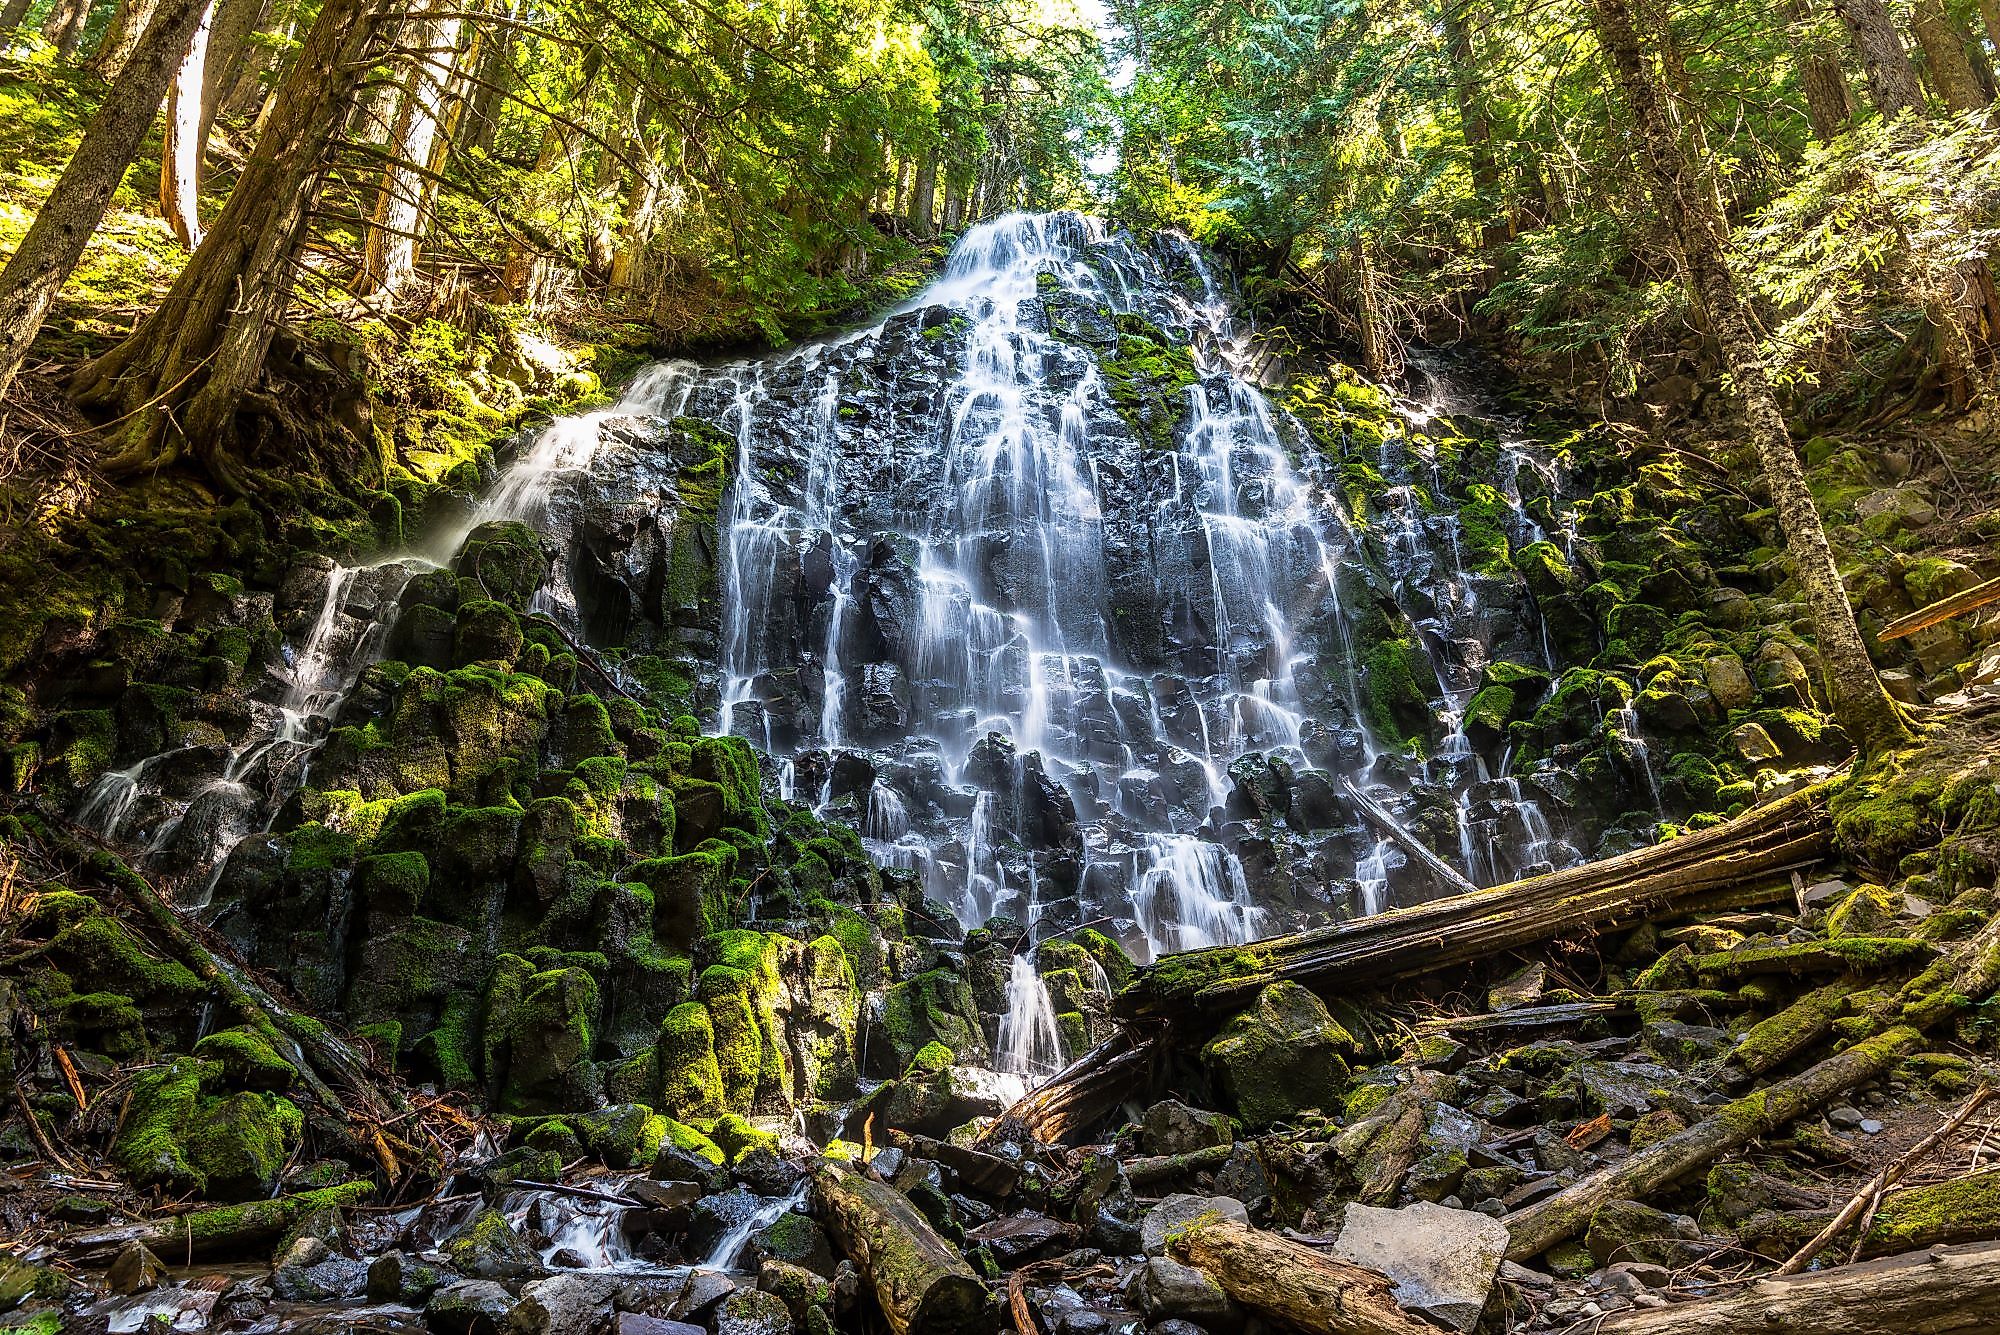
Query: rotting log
point(1964, 977)
point(1776, 1039)
point(1378, 816)
point(922, 1284)
point(214, 1232)
point(983, 1172)
point(1290, 1283)
point(1941, 1291)
point(1944, 609)
point(1195, 989)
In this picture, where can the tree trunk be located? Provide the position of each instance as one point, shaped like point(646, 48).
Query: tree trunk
point(493, 77)
point(229, 52)
point(1943, 1291)
point(1195, 988)
point(1989, 19)
point(1377, 815)
point(1952, 76)
point(1892, 79)
point(181, 150)
point(73, 210)
point(1291, 1284)
point(245, 89)
point(63, 25)
point(1687, 204)
point(12, 12)
point(121, 35)
point(1476, 128)
point(922, 1284)
point(389, 259)
point(1829, 108)
point(923, 198)
point(178, 379)
point(225, 1231)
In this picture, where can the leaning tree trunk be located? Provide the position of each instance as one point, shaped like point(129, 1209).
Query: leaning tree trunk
point(73, 210)
point(1828, 105)
point(11, 14)
point(1863, 708)
point(389, 258)
point(181, 150)
point(1952, 75)
point(493, 80)
point(121, 35)
point(1892, 79)
point(178, 380)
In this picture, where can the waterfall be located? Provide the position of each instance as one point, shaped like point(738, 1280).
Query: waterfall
point(1029, 1043)
point(724, 1255)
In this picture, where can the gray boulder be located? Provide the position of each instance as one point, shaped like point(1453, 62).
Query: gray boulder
point(1176, 1212)
point(1442, 1260)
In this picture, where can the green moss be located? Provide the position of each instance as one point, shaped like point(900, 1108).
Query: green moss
point(1848, 954)
point(151, 1146)
point(1397, 686)
point(247, 1059)
point(1483, 518)
point(1147, 379)
point(690, 1076)
point(239, 1143)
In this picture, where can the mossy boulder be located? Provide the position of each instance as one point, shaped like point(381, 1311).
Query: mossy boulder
point(227, 1146)
point(503, 561)
point(1282, 1057)
point(933, 1007)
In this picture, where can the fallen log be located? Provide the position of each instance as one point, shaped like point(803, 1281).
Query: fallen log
point(1292, 1284)
point(1871, 1192)
point(1538, 1227)
point(1944, 609)
point(983, 1172)
point(1775, 1040)
point(1965, 1209)
point(1198, 987)
point(1160, 1167)
point(216, 1232)
point(1963, 978)
point(1392, 829)
point(1759, 846)
point(1942, 1291)
point(922, 1284)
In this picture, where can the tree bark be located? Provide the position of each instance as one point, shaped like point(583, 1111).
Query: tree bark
point(223, 1231)
point(1892, 79)
point(922, 1284)
point(1687, 203)
point(73, 210)
point(181, 150)
point(178, 379)
point(923, 198)
point(1292, 1284)
point(121, 35)
point(12, 12)
point(493, 78)
point(1829, 107)
point(1476, 129)
point(229, 52)
point(1944, 1291)
point(389, 259)
point(1974, 598)
point(1945, 59)
point(63, 25)
point(1195, 988)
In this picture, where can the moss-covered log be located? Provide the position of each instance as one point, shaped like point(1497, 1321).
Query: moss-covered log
point(923, 1285)
point(1940, 1292)
point(1289, 1283)
point(217, 1232)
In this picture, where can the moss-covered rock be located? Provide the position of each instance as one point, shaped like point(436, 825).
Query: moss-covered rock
point(1282, 1057)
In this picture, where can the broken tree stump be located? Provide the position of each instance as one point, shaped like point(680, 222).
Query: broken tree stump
point(1289, 1283)
point(921, 1281)
point(1942, 1291)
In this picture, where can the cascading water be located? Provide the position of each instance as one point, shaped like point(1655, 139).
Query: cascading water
point(1033, 585)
